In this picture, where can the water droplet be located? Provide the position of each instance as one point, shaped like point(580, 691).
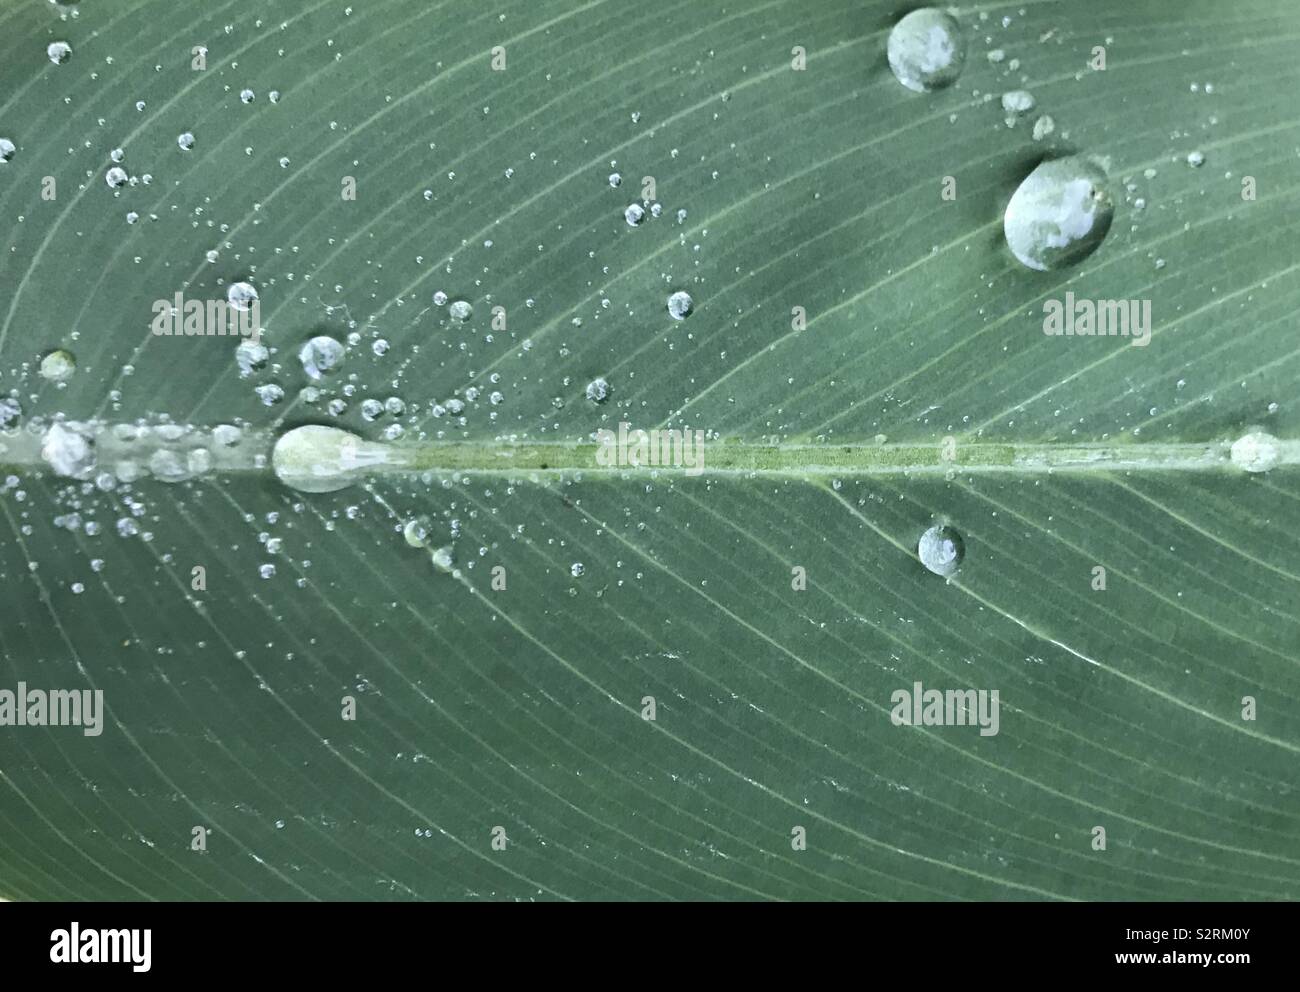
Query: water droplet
point(1018, 102)
point(320, 355)
point(598, 390)
point(58, 365)
point(444, 558)
point(185, 141)
point(941, 550)
point(11, 413)
point(270, 394)
point(1059, 214)
point(461, 310)
point(371, 408)
point(316, 459)
point(7, 150)
point(1256, 451)
point(59, 52)
point(246, 96)
point(69, 451)
point(634, 215)
point(250, 356)
point(417, 531)
point(1196, 159)
point(680, 305)
point(615, 179)
point(241, 295)
point(577, 568)
point(926, 50)
point(440, 298)
point(116, 177)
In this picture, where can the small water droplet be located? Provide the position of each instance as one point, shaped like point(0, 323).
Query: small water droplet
point(1196, 159)
point(59, 52)
point(461, 310)
point(634, 215)
point(116, 177)
point(185, 141)
point(598, 390)
point(7, 149)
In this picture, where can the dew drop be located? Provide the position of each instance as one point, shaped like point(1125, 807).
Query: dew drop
point(444, 558)
point(59, 52)
point(1256, 451)
point(58, 365)
point(941, 550)
point(11, 413)
point(926, 50)
point(185, 141)
point(241, 296)
point(7, 150)
point(680, 305)
point(317, 459)
point(461, 310)
point(250, 356)
point(634, 215)
point(598, 390)
point(116, 177)
point(1059, 214)
point(416, 532)
point(320, 355)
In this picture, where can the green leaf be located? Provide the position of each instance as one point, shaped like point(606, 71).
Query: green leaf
point(920, 390)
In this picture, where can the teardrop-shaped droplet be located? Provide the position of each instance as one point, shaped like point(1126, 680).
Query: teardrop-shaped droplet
point(926, 49)
point(1059, 214)
point(317, 459)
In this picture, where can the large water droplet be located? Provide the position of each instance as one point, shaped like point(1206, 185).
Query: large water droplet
point(316, 459)
point(926, 49)
point(1059, 214)
point(1256, 451)
point(7, 149)
point(941, 550)
point(59, 52)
